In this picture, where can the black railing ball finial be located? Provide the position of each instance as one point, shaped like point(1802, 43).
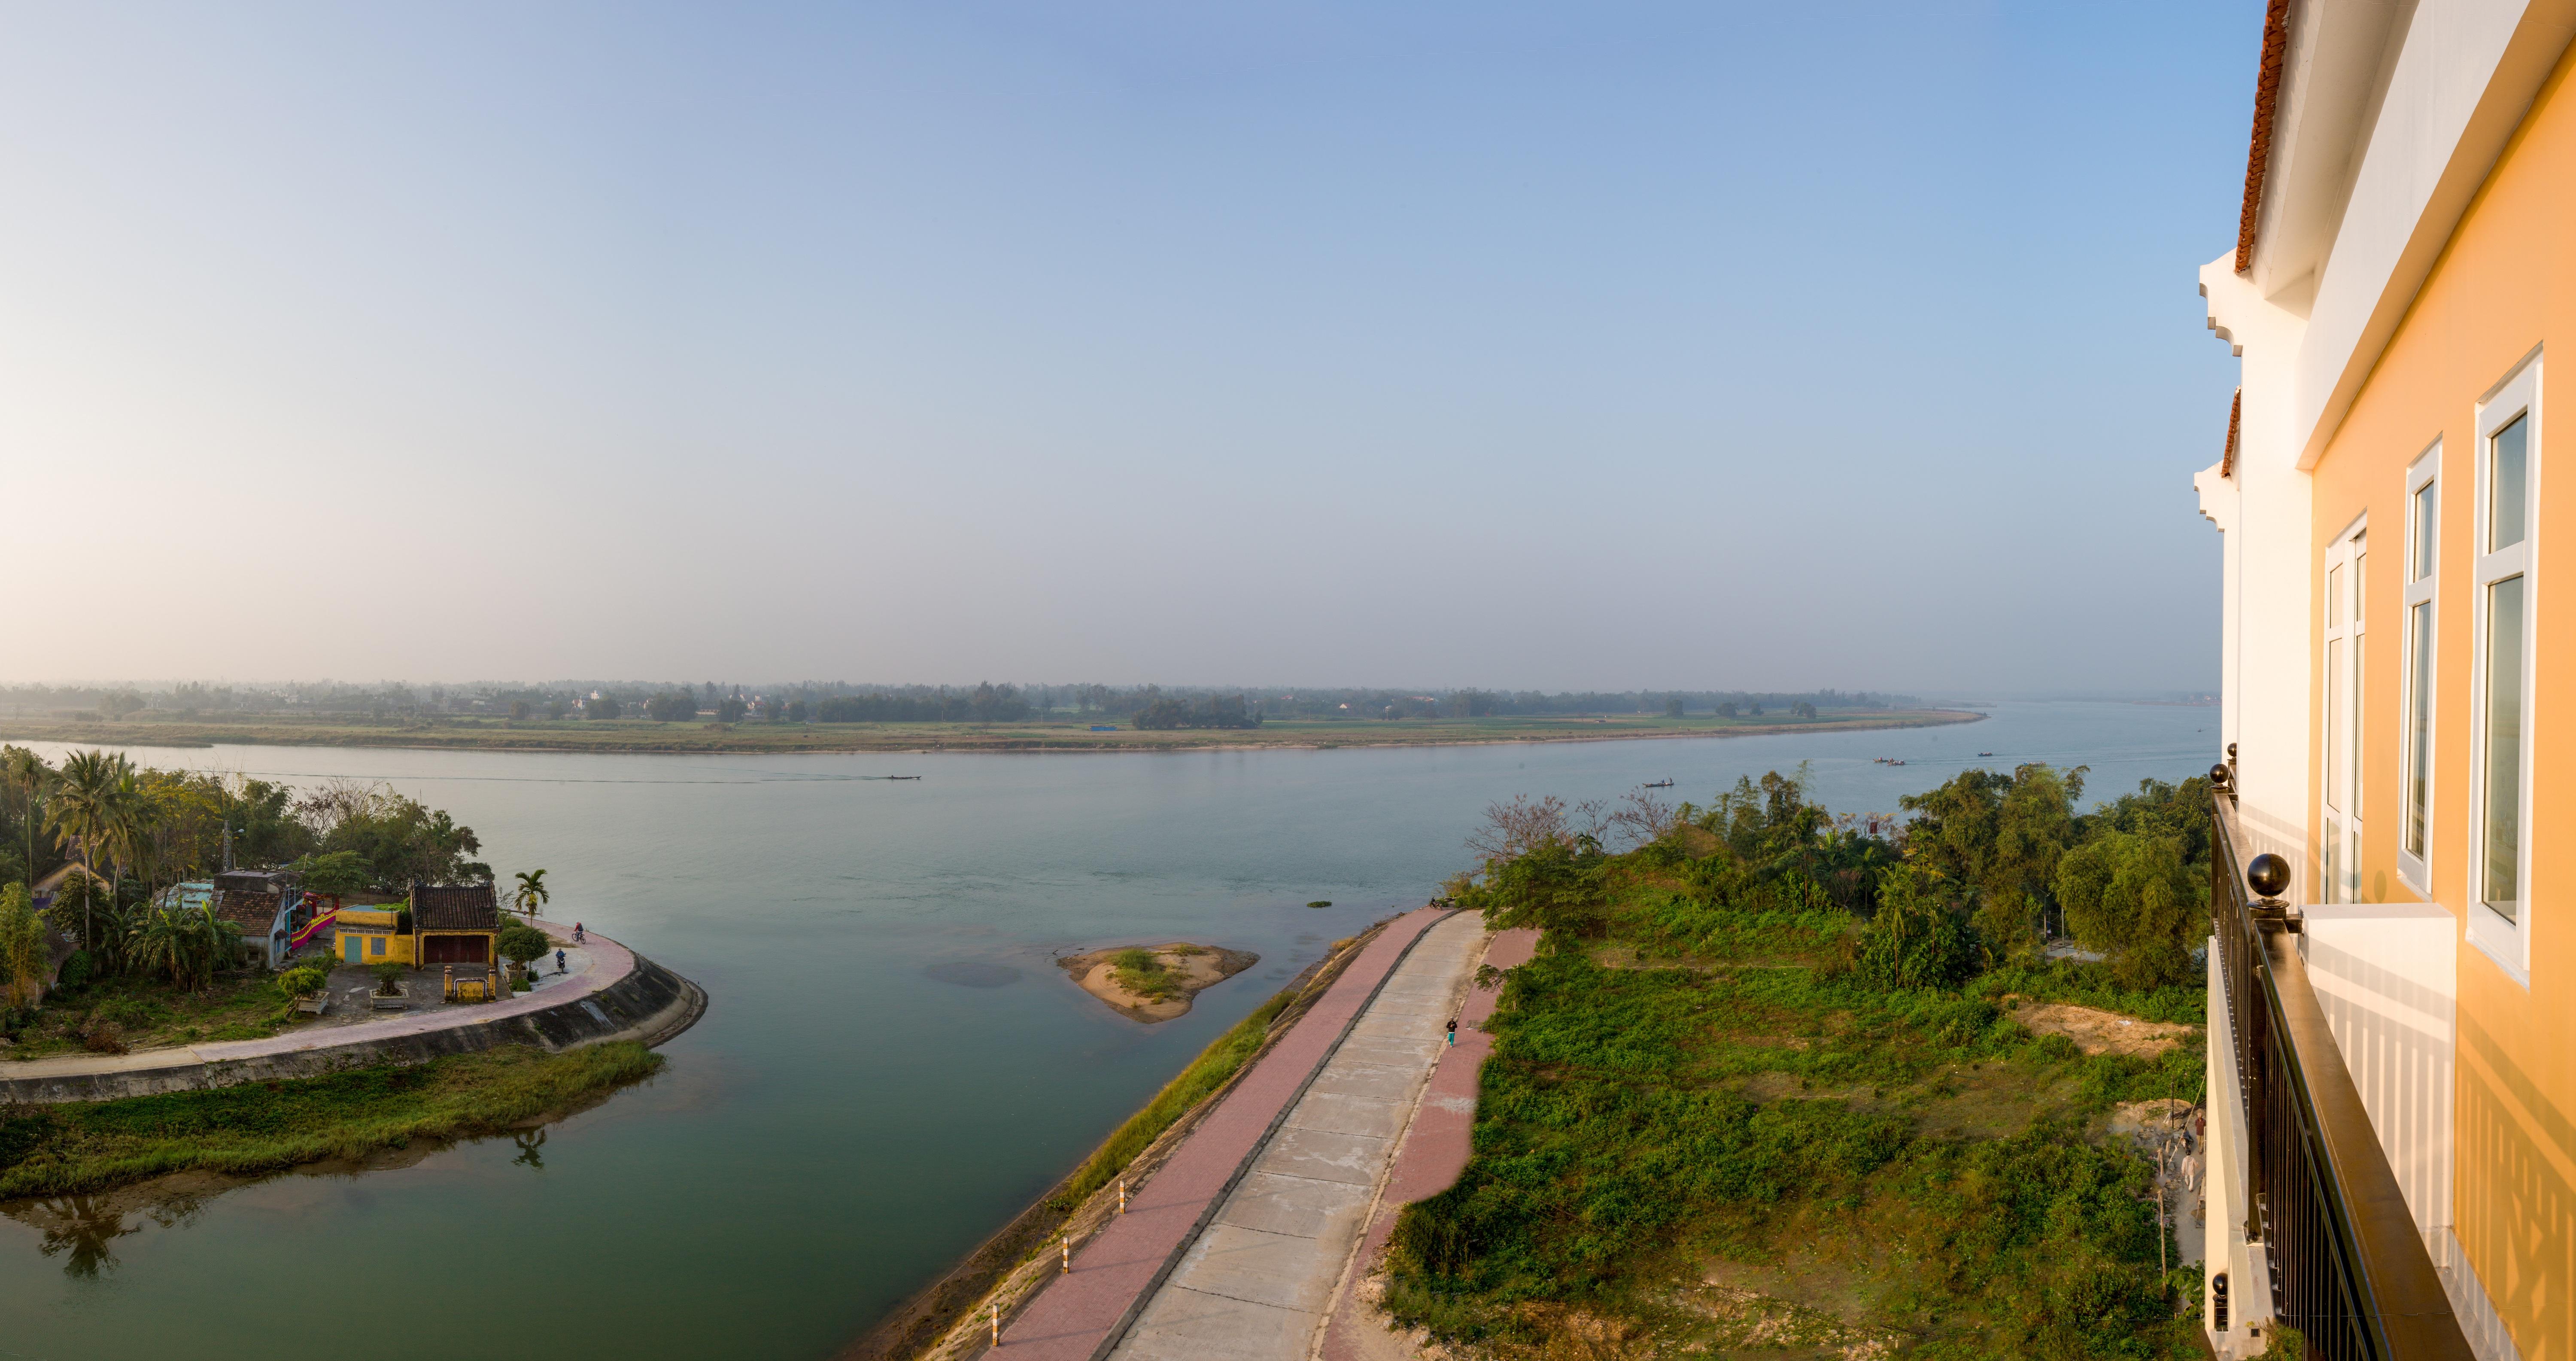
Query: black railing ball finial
point(2219, 775)
point(2268, 875)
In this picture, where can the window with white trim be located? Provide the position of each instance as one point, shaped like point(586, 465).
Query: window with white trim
point(2502, 579)
point(2347, 563)
point(2415, 678)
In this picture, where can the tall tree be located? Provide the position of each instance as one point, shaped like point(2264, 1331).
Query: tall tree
point(86, 812)
point(27, 773)
point(532, 892)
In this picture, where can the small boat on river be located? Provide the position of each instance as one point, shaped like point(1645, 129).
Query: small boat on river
point(1659, 784)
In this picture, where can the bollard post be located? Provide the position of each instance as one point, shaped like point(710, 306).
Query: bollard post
point(1122, 1195)
point(997, 1325)
point(1068, 1254)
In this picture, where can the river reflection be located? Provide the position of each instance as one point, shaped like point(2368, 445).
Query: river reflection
point(891, 1065)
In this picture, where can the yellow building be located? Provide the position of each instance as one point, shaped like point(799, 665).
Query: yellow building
point(363, 936)
point(435, 924)
point(2392, 1109)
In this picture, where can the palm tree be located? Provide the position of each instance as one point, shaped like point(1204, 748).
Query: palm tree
point(28, 771)
point(532, 893)
point(83, 805)
point(190, 943)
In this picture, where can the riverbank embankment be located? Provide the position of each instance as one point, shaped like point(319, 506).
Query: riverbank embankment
point(1122, 1259)
point(620, 995)
point(622, 735)
point(1007, 1269)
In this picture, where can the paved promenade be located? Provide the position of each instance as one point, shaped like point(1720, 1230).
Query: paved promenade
point(598, 965)
point(1428, 1162)
point(1124, 1263)
point(1256, 1285)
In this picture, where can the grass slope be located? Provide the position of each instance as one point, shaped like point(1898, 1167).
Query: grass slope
point(151, 729)
point(262, 1128)
point(1693, 1139)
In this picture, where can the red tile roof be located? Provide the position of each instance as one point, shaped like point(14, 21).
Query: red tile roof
point(2258, 156)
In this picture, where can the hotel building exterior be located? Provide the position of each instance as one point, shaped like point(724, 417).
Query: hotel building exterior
point(2392, 1094)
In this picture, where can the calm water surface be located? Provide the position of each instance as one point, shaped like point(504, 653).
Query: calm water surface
point(890, 1066)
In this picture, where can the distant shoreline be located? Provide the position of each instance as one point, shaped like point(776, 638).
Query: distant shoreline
point(668, 739)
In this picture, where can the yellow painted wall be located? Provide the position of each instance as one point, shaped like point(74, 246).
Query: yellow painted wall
point(2506, 285)
point(398, 949)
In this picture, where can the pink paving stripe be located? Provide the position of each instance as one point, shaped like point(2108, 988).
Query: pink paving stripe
point(1436, 1144)
point(1075, 1316)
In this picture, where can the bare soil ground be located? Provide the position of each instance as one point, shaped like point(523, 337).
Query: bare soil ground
point(2101, 1032)
point(1192, 969)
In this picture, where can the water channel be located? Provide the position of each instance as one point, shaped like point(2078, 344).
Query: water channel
point(856, 1109)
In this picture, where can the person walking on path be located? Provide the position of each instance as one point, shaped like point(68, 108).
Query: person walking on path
point(1453, 1032)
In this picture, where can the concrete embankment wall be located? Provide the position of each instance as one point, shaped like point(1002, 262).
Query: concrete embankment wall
point(650, 1004)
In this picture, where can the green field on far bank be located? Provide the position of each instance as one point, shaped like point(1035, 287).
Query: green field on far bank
point(152, 729)
point(260, 1128)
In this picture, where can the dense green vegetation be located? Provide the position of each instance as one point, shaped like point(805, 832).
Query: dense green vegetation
point(986, 703)
point(1762, 1089)
point(146, 966)
point(1216, 711)
point(269, 1127)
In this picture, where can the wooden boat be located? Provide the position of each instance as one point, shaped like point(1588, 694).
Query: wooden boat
point(1659, 784)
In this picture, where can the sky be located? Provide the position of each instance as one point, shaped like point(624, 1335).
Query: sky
point(1697, 345)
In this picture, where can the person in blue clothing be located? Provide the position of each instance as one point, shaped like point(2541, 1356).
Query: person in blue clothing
point(559, 962)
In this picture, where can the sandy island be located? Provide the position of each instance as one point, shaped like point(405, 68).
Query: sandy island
point(1186, 969)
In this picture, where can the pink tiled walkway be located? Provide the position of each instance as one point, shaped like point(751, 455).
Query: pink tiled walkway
point(1436, 1144)
point(1074, 1314)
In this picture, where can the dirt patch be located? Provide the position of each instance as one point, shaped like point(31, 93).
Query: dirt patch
point(1176, 973)
point(2149, 1123)
point(2102, 1032)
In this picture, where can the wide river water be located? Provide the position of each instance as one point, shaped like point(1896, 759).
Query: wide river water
point(843, 1124)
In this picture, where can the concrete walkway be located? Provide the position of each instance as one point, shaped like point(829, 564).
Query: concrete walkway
point(1429, 1160)
point(1257, 1283)
point(1115, 1270)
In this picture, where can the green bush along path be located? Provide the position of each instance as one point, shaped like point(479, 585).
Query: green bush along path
point(1738, 1104)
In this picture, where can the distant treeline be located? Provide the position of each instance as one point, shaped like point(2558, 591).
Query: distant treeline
point(984, 704)
point(844, 702)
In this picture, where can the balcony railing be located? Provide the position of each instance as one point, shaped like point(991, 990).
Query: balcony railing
point(2349, 1267)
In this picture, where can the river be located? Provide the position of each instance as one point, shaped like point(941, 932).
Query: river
point(843, 1124)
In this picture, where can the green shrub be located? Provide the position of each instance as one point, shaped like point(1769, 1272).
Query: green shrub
point(520, 942)
point(1918, 939)
point(302, 981)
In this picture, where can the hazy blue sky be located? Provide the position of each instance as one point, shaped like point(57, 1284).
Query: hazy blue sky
point(1694, 345)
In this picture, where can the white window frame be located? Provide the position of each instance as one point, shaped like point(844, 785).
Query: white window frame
point(2508, 943)
point(2339, 782)
point(2416, 871)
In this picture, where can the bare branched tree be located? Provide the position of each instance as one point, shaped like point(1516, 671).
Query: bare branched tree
point(335, 802)
point(1641, 818)
point(1520, 825)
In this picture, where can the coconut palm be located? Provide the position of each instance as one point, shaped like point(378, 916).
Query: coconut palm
point(532, 893)
point(27, 772)
point(83, 807)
